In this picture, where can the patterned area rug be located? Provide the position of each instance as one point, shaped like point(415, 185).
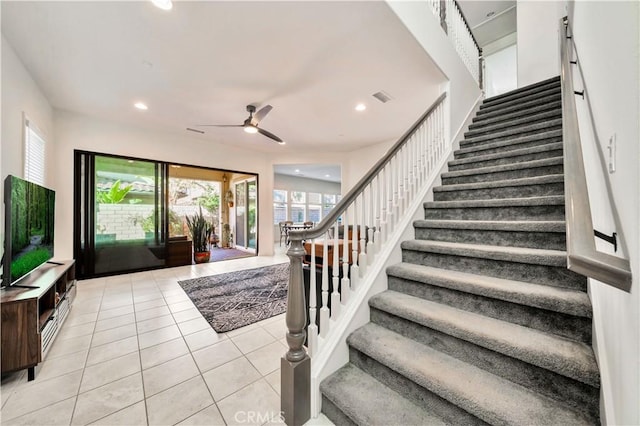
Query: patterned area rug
point(235, 299)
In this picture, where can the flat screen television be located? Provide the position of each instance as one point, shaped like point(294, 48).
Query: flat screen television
point(29, 223)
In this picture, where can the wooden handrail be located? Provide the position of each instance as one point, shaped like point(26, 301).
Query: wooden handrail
point(582, 256)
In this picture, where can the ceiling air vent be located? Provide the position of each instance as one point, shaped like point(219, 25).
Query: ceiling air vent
point(382, 96)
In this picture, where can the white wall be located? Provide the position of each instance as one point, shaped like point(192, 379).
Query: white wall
point(21, 95)
point(607, 38)
point(425, 27)
point(538, 55)
point(296, 183)
point(501, 71)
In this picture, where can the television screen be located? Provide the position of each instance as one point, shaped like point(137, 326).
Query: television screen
point(29, 223)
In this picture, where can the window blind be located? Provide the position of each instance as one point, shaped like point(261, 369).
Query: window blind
point(34, 148)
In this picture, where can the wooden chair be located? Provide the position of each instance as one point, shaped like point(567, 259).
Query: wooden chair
point(284, 232)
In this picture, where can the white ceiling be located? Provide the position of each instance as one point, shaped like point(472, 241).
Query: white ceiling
point(203, 62)
point(490, 20)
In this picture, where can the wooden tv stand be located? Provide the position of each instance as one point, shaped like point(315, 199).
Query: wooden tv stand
point(31, 317)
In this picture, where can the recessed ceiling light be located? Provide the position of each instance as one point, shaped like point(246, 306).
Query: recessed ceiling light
point(141, 105)
point(297, 170)
point(361, 107)
point(327, 175)
point(163, 4)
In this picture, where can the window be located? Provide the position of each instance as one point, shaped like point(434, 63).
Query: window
point(279, 206)
point(34, 148)
point(328, 203)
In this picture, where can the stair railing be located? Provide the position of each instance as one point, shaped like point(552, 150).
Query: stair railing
point(582, 256)
point(455, 25)
point(343, 247)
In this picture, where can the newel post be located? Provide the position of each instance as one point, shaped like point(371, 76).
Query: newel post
point(295, 400)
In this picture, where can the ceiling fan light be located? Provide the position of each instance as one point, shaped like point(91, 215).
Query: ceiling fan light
point(250, 129)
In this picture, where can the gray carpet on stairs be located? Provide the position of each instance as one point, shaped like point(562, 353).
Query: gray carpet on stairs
point(482, 322)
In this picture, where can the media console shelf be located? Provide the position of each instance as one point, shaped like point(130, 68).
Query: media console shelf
point(31, 317)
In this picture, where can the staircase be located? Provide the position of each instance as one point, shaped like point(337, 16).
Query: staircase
point(482, 322)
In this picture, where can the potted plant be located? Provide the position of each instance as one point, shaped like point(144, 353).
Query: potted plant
point(200, 230)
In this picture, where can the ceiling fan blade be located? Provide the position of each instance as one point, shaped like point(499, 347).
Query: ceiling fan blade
point(261, 114)
point(268, 134)
point(219, 125)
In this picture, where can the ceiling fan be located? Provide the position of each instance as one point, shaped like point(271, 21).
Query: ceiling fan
point(250, 125)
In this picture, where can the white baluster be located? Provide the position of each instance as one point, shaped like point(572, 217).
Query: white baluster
point(324, 310)
point(390, 194)
point(362, 259)
point(355, 269)
point(345, 286)
point(335, 296)
point(371, 250)
point(312, 330)
point(377, 237)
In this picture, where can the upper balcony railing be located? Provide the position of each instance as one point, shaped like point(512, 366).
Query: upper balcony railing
point(457, 28)
point(582, 255)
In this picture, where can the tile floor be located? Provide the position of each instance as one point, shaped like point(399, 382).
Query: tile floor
point(135, 351)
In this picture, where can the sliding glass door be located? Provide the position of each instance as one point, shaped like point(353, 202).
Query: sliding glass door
point(246, 194)
point(121, 224)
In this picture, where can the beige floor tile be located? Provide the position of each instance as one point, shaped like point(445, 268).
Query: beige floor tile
point(108, 399)
point(164, 376)
point(67, 332)
point(267, 358)
point(112, 350)
point(216, 355)
point(163, 352)
point(242, 330)
point(155, 303)
point(54, 367)
point(252, 340)
point(152, 313)
point(209, 416)
point(78, 319)
point(10, 383)
point(69, 346)
point(274, 380)
point(230, 377)
point(31, 396)
point(181, 306)
point(55, 414)
point(135, 414)
point(146, 296)
point(154, 324)
point(277, 329)
point(193, 326)
point(158, 336)
point(116, 312)
point(109, 371)
point(176, 297)
point(88, 306)
point(115, 322)
point(187, 315)
point(113, 335)
point(256, 404)
point(204, 338)
point(179, 402)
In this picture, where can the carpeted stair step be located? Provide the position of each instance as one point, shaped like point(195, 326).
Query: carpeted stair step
point(548, 267)
point(418, 371)
point(526, 108)
point(517, 170)
point(559, 311)
point(528, 357)
point(534, 208)
point(493, 119)
point(499, 106)
point(483, 129)
point(514, 188)
point(529, 141)
point(512, 133)
point(541, 152)
point(523, 91)
point(533, 234)
point(351, 396)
